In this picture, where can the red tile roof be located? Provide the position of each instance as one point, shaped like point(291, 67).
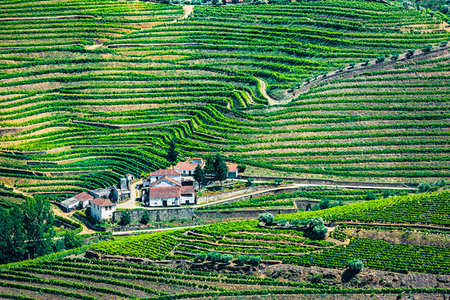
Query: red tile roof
point(165, 178)
point(189, 189)
point(102, 202)
point(83, 197)
point(165, 172)
point(164, 192)
point(232, 168)
point(184, 165)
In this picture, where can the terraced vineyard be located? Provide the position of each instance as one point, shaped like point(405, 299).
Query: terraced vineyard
point(88, 279)
point(94, 90)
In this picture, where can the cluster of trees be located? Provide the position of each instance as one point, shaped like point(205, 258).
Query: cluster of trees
point(214, 166)
point(27, 231)
point(314, 227)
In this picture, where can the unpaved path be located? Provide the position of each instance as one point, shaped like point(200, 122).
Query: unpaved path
point(131, 203)
point(152, 230)
point(57, 211)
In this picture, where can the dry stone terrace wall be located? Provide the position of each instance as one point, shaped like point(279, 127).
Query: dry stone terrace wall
point(158, 215)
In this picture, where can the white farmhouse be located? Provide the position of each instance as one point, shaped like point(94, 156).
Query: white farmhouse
point(187, 168)
point(78, 201)
point(154, 176)
point(102, 209)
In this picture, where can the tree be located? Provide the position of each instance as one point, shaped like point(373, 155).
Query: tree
point(72, 240)
point(371, 196)
point(250, 181)
point(324, 203)
point(220, 168)
point(199, 175)
point(38, 221)
point(125, 219)
point(227, 258)
point(241, 168)
point(172, 153)
point(145, 218)
point(12, 236)
point(278, 181)
point(209, 165)
point(355, 265)
point(266, 218)
point(315, 228)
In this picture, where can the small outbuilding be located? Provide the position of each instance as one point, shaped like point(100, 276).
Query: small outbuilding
point(233, 171)
point(102, 209)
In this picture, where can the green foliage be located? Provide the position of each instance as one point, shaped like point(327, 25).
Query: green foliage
point(12, 236)
point(241, 168)
point(266, 218)
point(155, 245)
point(220, 168)
point(200, 257)
point(214, 257)
point(355, 265)
point(200, 175)
point(172, 153)
point(249, 181)
point(145, 218)
point(125, 219)
point(72, 240)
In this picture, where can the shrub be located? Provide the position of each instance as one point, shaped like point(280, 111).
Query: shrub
point(371, 196)
point(254, 260)
point(227, 258)
point(241, 168)
point(249, 181)
point(266, 218)
point(410, 53)
point(355, 265)
point(427, 48)
point(145, 218)
point(295, 222)
point(380, 59)
point(72, 240)
point(242, 259)
point(278, 181)
point(324, 203)
point(282, 222)
point(424, 187)
point(200, 257)
point(125, 219)
point(394, 56)
point(315, 228)
point(214, 256)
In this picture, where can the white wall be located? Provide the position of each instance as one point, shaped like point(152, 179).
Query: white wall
point(102, 212)
point(170, 202)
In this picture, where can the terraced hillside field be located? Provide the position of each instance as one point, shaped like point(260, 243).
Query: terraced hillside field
point(94, 90)
point(169, 265)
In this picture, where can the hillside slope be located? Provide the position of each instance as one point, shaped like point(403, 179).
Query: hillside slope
point(90, 92)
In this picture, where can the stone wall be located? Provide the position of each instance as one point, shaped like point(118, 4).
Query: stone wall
point(158, 215)
point(254, 213)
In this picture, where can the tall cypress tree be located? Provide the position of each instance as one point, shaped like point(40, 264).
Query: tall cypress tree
point(199, 175)
point(172, 153)
point(220, 168)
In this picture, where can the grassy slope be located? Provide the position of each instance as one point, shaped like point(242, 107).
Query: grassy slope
point(190, 71)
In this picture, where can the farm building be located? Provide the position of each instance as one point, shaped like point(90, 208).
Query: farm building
point(167, 192)
point(78, 201)
point(102, 209)
point(232, 171)
point(187, 168)
point(154, 176)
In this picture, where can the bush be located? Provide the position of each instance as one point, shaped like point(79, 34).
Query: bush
point(242, 259)
point(200, 257)
point(241, 168)
point(214, 256)
point(278, 181)
point(424, 187)
point(355, 265)
point(125, 219)
point(295, 222)
point(249, 181)
point(380, 59)
point(324, 203)
point(282, 222)
point(394, 56)
point(410, 53)
point(72, 240)
point(227, 258)
point(145, 218)
point(266, 218)
point(254, 260)
point(427, 48)
point(371, 196)
point(315, 228)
